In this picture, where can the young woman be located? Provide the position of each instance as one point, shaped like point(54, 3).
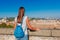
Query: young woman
point(25, 23)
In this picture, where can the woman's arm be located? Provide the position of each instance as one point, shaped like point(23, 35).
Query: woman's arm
point(29, 26)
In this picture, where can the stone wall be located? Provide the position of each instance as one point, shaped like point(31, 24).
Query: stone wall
point(43, 34)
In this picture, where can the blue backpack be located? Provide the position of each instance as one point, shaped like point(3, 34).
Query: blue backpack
point(18, 32)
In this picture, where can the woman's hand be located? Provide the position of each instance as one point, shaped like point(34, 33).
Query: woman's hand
point(37, 29)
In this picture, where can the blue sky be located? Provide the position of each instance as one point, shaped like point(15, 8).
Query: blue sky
point(33, 8)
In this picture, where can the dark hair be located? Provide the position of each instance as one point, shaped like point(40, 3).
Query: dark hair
point(19, 18)
point(21, 8)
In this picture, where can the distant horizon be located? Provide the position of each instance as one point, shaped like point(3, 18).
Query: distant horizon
point(35, 17)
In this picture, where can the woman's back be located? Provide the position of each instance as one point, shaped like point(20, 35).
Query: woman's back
point(24, 26)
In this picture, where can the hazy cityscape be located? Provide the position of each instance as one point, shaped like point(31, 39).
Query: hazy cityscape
point(36, 22)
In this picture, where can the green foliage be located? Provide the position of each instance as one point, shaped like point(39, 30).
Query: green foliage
point(35, 18)
point(10, 18)
point(38, 18)
point(9, 26)
point(32, 18)
point(3, 25)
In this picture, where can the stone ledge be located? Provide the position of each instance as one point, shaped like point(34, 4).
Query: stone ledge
point(55, 32)
point(41, 33)
point(47, 33)
point(6, 30)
